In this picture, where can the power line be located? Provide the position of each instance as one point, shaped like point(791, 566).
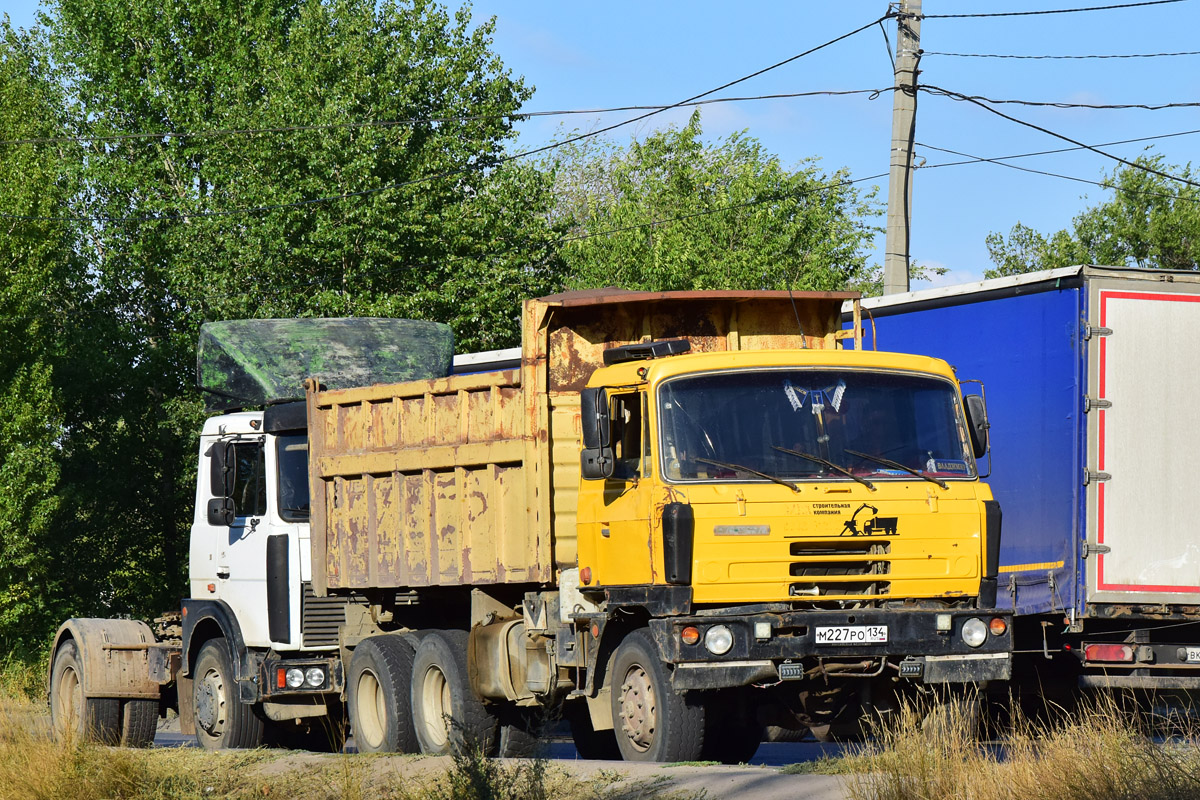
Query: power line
point(1048, 132)
point(423, 120)
point(1051, 11)
point(1060, 149)
point(460, 170)
point(1001, 163)
point(723, 209)
point(1058, 104)
point(1045, 57)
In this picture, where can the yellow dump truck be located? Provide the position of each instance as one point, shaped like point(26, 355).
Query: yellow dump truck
point(687, 514)
point(677, 519)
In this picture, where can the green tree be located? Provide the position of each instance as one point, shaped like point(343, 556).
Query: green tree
point(422, 217)
point(1149, 222)
point(671, 212)
point(39, 291)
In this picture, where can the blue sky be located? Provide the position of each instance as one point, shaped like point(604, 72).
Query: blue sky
point(596, 55)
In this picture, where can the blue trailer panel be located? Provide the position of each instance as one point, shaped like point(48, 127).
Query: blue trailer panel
point(1028, 351)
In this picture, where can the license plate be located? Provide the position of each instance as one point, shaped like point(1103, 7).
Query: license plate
point(1193, 655)
point(853, 634)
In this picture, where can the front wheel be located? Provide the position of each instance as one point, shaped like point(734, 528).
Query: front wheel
point(223, 722)
point(652, 722)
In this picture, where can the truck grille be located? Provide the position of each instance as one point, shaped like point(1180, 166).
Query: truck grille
point(838, 568)
point(321, 619)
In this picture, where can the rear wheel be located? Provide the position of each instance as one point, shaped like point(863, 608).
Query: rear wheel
point(96, 719)
point(653, 723)
point(139, 722)
point(732, 732)
point(448, 716)
point(223, 722)
point(379, 686)
point(589, 742)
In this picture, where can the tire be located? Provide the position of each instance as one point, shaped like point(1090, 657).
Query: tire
point(520, 733)
point(380, 702)
point(653, 723)
point(93, 719)
point(139, 722)
point(589, 742)
point(732, 733)
point(223, 722)
point(448, 716)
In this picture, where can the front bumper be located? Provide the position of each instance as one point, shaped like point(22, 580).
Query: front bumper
point(921, 644)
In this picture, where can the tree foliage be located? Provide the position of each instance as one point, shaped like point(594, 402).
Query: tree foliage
point(671, 212)
point(1149, 222)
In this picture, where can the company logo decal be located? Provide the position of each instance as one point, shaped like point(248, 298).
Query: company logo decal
point(875, 526)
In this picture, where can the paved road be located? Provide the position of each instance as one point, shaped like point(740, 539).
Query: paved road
point(760, 779)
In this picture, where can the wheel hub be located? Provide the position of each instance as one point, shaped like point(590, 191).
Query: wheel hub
point(210, 703)
point(639, 710)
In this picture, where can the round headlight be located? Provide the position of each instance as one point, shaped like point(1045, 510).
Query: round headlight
point(718, 639)
point(974, 632)
point(314, 677)
point(295, 678)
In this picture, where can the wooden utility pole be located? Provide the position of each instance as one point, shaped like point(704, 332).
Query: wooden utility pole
point(904, 113)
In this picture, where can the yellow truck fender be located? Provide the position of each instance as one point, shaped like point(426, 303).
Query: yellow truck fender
point(114, 656)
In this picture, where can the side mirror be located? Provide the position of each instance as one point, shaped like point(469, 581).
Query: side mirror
point(221, 511)
point(593, 417)
point(596, 461)
point(977, 424)
point(219, 468)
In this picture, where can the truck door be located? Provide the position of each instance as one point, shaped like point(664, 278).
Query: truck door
point(240, 549)
point(625, 548)
point(1142, 541)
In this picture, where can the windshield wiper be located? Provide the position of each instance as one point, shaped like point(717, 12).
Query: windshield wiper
point(826, 462)
point(740, 468)
point(887, 462)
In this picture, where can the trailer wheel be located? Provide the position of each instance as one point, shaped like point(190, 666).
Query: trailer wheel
point(223, 722)
point(448, 716)
point(95, 719)
point(653, 723)
point(380, 695)
point(139, 722)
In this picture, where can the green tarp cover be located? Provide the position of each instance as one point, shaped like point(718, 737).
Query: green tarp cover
point(254, 362)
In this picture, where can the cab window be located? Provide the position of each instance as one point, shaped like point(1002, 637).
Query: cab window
point(626, 415)
point(249, 480)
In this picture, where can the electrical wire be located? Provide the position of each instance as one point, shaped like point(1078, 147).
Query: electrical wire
point(1050, 11)
point(1048, 57)
point(412, 122)
point(1001, 163)
point(457, 171)
point(1057, 104)
point(1065, 149)
point(957, 96)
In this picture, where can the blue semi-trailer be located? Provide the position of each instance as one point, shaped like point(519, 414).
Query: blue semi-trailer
point(1092, 380)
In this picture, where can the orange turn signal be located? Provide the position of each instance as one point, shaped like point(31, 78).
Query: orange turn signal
point(997, 626)
point(585, 575)
point(690, 635)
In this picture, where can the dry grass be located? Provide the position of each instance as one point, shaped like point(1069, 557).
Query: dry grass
point(1102, 752)
point(34, 767)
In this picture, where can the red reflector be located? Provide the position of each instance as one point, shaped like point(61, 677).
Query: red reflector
point(281, 678)
point(595, 631)
point(1108, 652)
point(585, 575)
point(690, 635)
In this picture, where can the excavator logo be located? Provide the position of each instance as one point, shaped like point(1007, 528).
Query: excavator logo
point(875, 526)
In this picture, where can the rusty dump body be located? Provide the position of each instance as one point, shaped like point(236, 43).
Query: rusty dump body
point(473, 479)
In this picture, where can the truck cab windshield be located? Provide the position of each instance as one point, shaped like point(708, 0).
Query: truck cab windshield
point(752, 417)
point(292, 455)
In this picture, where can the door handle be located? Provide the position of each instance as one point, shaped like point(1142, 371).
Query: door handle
point(223, 573)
